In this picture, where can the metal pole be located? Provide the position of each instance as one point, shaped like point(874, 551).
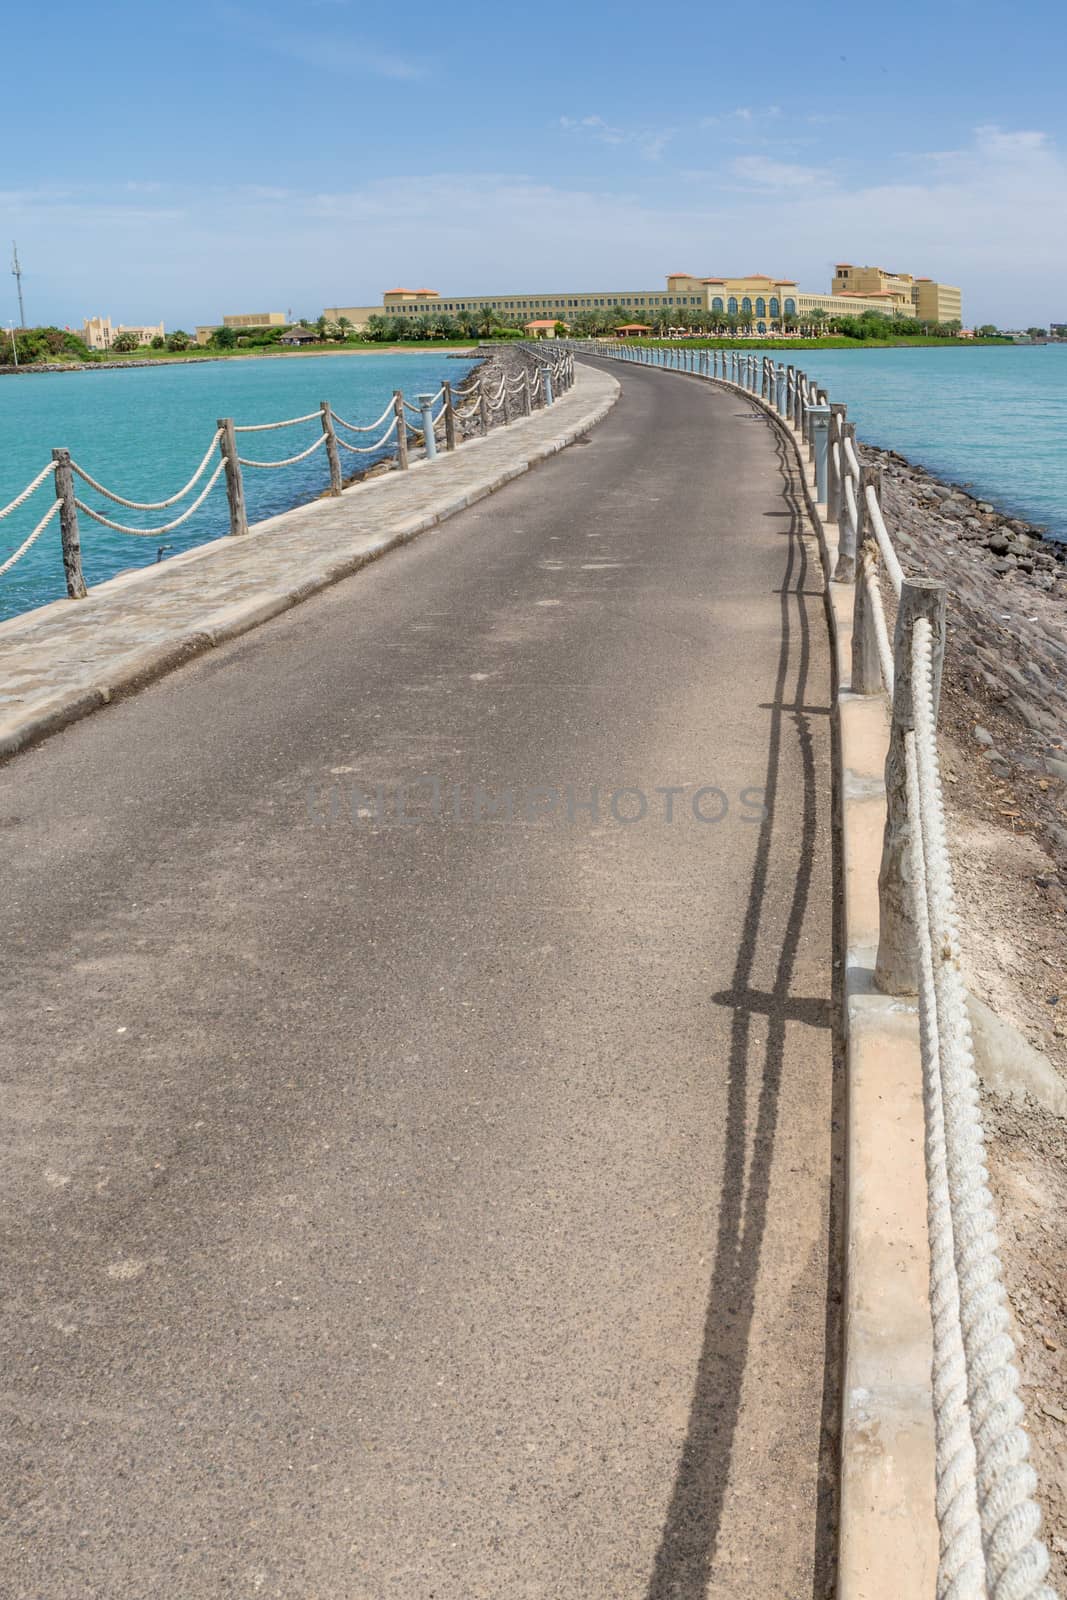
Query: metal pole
point(430, 443)
point(820, 439)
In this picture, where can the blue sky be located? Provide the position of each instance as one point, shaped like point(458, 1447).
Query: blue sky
point(186, 161)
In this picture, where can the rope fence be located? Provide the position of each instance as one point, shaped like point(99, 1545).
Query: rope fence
point(461, 413)
point(987, 1512)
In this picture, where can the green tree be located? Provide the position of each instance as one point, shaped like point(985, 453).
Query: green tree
point(224, 338)
point(320, 326)
point(178, 340)
point(158, 342)
point(986, 331)
point(343, 327)
point(125, 343)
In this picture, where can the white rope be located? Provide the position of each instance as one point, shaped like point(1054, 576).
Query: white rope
point(20, 499)
point(150, 505)
point(268, 427)
point(368, 449)
point(961, 1569)
point(34, 536)
point(354, 427)
point(150, 533)
point(869, 576)
point(885, 544)
point(289, 460)
point(1016, 1561)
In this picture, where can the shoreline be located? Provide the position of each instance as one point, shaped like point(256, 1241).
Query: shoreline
point(53, 368)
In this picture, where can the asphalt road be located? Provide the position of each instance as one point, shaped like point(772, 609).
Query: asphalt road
point(417, 1182)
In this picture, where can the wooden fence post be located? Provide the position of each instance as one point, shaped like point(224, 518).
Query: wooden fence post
point(235, 489)
point(401, 430)
point(866, 676)
point(483, 408)
point(450, 416)
point(333, 455)
point(527, 406)
point(68, 526)
point(895, 969)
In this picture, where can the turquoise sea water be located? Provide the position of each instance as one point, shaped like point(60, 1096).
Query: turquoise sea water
point(993, 418)
point(142, 431)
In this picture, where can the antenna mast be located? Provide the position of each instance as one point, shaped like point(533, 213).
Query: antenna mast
point(16, 273)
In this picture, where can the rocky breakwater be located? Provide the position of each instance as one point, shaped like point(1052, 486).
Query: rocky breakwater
point(1007, 610)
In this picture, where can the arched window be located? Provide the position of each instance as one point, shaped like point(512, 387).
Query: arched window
point(746, 306)
point(774, 305)
point(733, 306)
point(790, 306)
point(761, 306)
point(716, 304)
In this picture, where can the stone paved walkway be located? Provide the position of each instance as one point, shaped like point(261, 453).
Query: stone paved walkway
point(64, 660)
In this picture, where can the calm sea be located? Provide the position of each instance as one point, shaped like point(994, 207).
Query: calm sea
point(142, 431)
point(994, 418)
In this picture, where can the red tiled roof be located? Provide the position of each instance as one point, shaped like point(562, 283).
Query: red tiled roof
point(400, 291)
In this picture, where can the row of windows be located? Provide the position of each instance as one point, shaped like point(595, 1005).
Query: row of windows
point(419, 309)
point(760, 308)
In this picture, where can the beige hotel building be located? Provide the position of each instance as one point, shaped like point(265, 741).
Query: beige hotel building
point(764, 300)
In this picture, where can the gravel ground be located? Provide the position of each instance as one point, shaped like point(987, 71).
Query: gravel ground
point(1004, 732)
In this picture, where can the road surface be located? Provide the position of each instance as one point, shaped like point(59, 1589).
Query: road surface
point(418, 1176)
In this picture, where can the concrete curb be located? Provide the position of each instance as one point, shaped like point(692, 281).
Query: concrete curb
point(135, 671)
point(887, 1524)
point(887, 1529)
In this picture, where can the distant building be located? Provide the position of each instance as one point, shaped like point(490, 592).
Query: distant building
point(904, 295)
point(761, 302)
point(99, 334)
point(299, 336)
point(541, 328)
point(244, 322)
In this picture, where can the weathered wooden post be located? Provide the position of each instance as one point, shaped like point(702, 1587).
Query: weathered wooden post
point(895, 971)
point(483, 408)
point(866, 665)
point(333, 455)
point(450, 416)
point(401, 430)
point(68, 526)
point(235, 489)
point(527, 404)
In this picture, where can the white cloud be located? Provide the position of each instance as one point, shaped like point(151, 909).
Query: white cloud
point(763, 173)
point(651, 142)
point(192, 254)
